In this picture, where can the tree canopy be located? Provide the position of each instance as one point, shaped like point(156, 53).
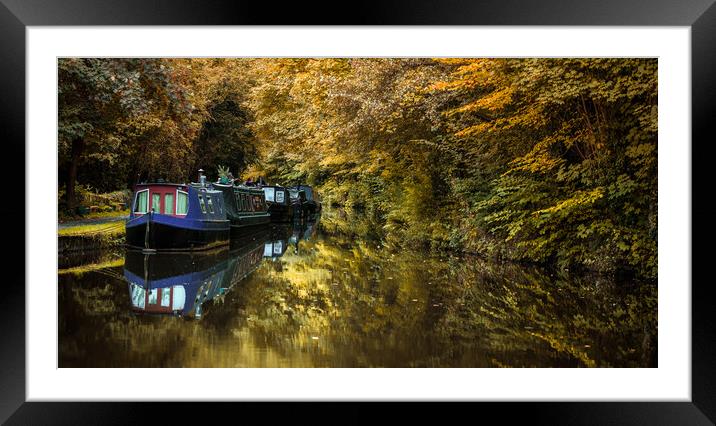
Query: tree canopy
point(544, 160)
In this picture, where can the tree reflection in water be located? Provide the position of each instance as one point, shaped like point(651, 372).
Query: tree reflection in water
point(320, 295)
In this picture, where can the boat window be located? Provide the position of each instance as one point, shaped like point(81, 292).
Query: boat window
point(140, 205)
point(169, 203)
point(269, 192)
point(138, 295)
point(156, 200)
point(247, 205)
point(211, 205)
point(153, 296)
point(182, 202)
point(179, 297)
point(280, 196)
point(166, 296)
point(201, 204)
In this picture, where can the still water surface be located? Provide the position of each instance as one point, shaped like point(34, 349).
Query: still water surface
point(313, 295)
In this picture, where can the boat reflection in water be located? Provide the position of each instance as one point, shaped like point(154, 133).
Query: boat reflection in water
point(284, 236)
point(179, 283)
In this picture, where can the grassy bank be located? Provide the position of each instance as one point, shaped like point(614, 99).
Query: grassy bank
point(90, 237)
point(64, 217)
point(93, 229)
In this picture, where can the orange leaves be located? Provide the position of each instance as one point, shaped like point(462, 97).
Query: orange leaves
point(495, 101)
point(474, 130)
point(579, 199)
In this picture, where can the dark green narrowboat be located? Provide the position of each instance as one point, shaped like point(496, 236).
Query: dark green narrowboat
point(245, 206)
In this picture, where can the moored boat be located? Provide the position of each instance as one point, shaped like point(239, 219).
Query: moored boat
point(280, 205)
point(245, 206)
point(170, 216)
point(310, 203)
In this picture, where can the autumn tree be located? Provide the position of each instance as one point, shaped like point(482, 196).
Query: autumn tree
point(569, 148)
point(100, 99)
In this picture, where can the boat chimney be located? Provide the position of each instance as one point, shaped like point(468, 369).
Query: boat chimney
point(202, 178)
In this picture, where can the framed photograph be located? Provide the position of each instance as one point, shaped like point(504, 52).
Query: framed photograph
point(440, 197)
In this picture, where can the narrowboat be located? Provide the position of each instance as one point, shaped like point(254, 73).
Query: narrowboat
point(309, 199)
point(245, 206)
point(181, 283)
point(281, 206)
point(169, 216)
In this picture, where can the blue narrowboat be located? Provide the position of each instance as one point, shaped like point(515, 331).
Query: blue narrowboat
point(168, 216)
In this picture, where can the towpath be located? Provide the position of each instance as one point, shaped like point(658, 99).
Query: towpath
point(92, 221)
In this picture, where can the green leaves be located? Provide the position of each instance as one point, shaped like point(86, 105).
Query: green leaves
point(571, 154)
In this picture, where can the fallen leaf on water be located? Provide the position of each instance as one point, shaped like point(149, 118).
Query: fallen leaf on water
point(314, 337)
point(415, 300)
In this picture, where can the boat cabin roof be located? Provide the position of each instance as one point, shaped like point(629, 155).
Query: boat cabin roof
point(147, 184)
point(208, 187)
point(307, 189)
point(252, 189)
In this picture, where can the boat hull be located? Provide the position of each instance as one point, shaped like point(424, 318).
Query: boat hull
point(281, 213)
point(311, 208)
point(248, 221)
point(167, 233)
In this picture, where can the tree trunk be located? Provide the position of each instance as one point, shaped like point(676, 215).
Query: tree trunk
point(78, 146)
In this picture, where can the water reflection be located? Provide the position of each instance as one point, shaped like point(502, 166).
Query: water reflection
point(316, 295)
point(291, 235)
point(180, 283)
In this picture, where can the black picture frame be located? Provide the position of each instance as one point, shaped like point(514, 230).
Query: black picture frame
point(699, 15)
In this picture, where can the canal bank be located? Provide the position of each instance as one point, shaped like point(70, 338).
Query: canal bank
point(88, 237)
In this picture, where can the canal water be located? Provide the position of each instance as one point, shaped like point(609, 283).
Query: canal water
point(314, 294)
